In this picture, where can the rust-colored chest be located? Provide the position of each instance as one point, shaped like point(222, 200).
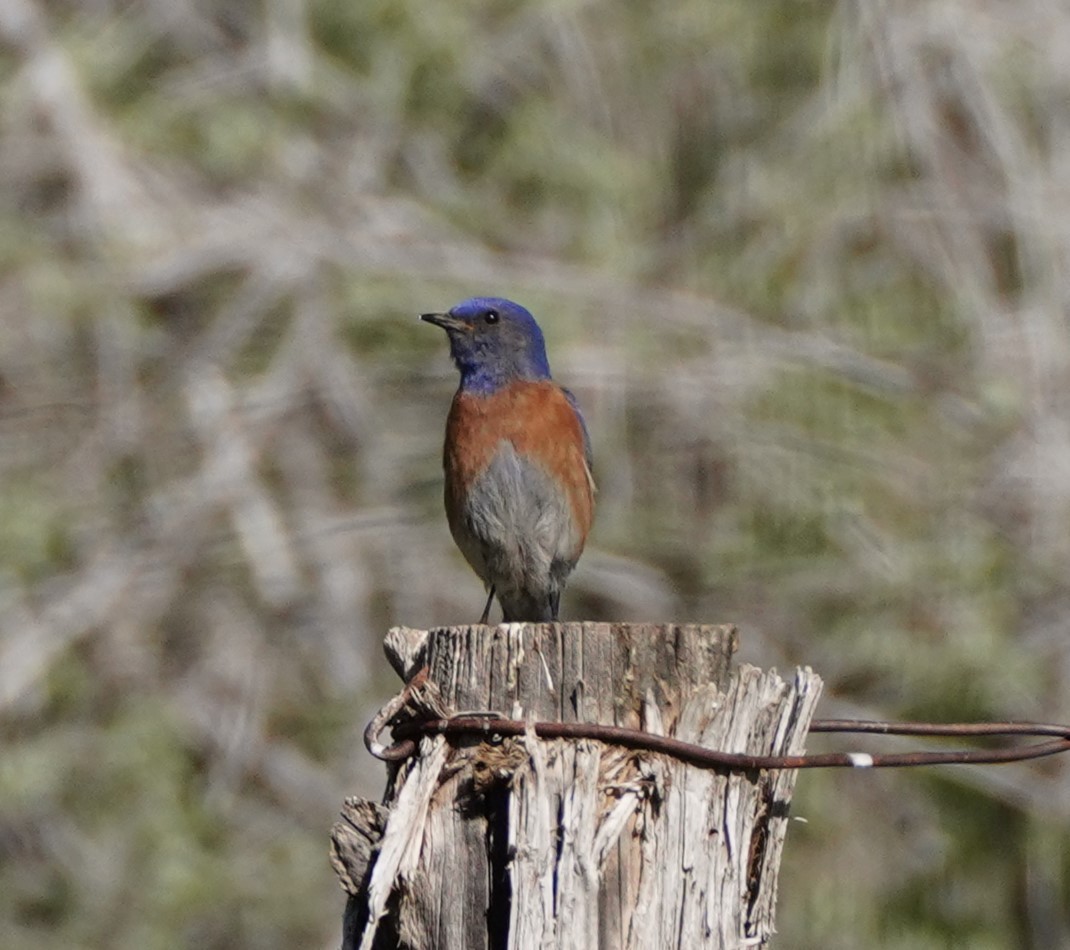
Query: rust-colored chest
point(542, 425)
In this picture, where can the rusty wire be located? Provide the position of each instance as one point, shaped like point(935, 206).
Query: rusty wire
point(491, 727)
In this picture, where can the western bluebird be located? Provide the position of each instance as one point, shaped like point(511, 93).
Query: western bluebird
point(519, 490)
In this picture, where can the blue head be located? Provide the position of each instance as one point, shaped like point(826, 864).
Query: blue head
point(494, 342)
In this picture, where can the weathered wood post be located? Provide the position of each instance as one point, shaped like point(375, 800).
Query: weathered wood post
point(525, 842)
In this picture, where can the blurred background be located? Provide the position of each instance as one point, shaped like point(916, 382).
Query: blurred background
point(804, 265)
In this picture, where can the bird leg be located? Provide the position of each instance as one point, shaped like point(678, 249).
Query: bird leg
point(486, 610)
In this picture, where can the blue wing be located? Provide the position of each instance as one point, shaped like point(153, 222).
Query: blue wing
point(588, 454)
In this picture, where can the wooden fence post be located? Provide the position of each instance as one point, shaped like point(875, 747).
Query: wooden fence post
point(526, 843)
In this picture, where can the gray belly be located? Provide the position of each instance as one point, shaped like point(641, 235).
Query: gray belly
point(519, 534)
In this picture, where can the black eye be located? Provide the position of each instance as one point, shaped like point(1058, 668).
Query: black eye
point(491, 316)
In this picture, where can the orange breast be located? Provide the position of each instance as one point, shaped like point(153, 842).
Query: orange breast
point(542, 425)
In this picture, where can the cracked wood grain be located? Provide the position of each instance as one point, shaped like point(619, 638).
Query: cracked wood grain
point(528, 843)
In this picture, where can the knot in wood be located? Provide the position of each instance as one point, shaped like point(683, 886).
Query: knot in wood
point(494, 765)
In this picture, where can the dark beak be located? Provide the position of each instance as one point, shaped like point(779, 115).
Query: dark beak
point(444, 320)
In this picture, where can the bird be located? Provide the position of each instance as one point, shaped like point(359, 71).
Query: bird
point(519, 493)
